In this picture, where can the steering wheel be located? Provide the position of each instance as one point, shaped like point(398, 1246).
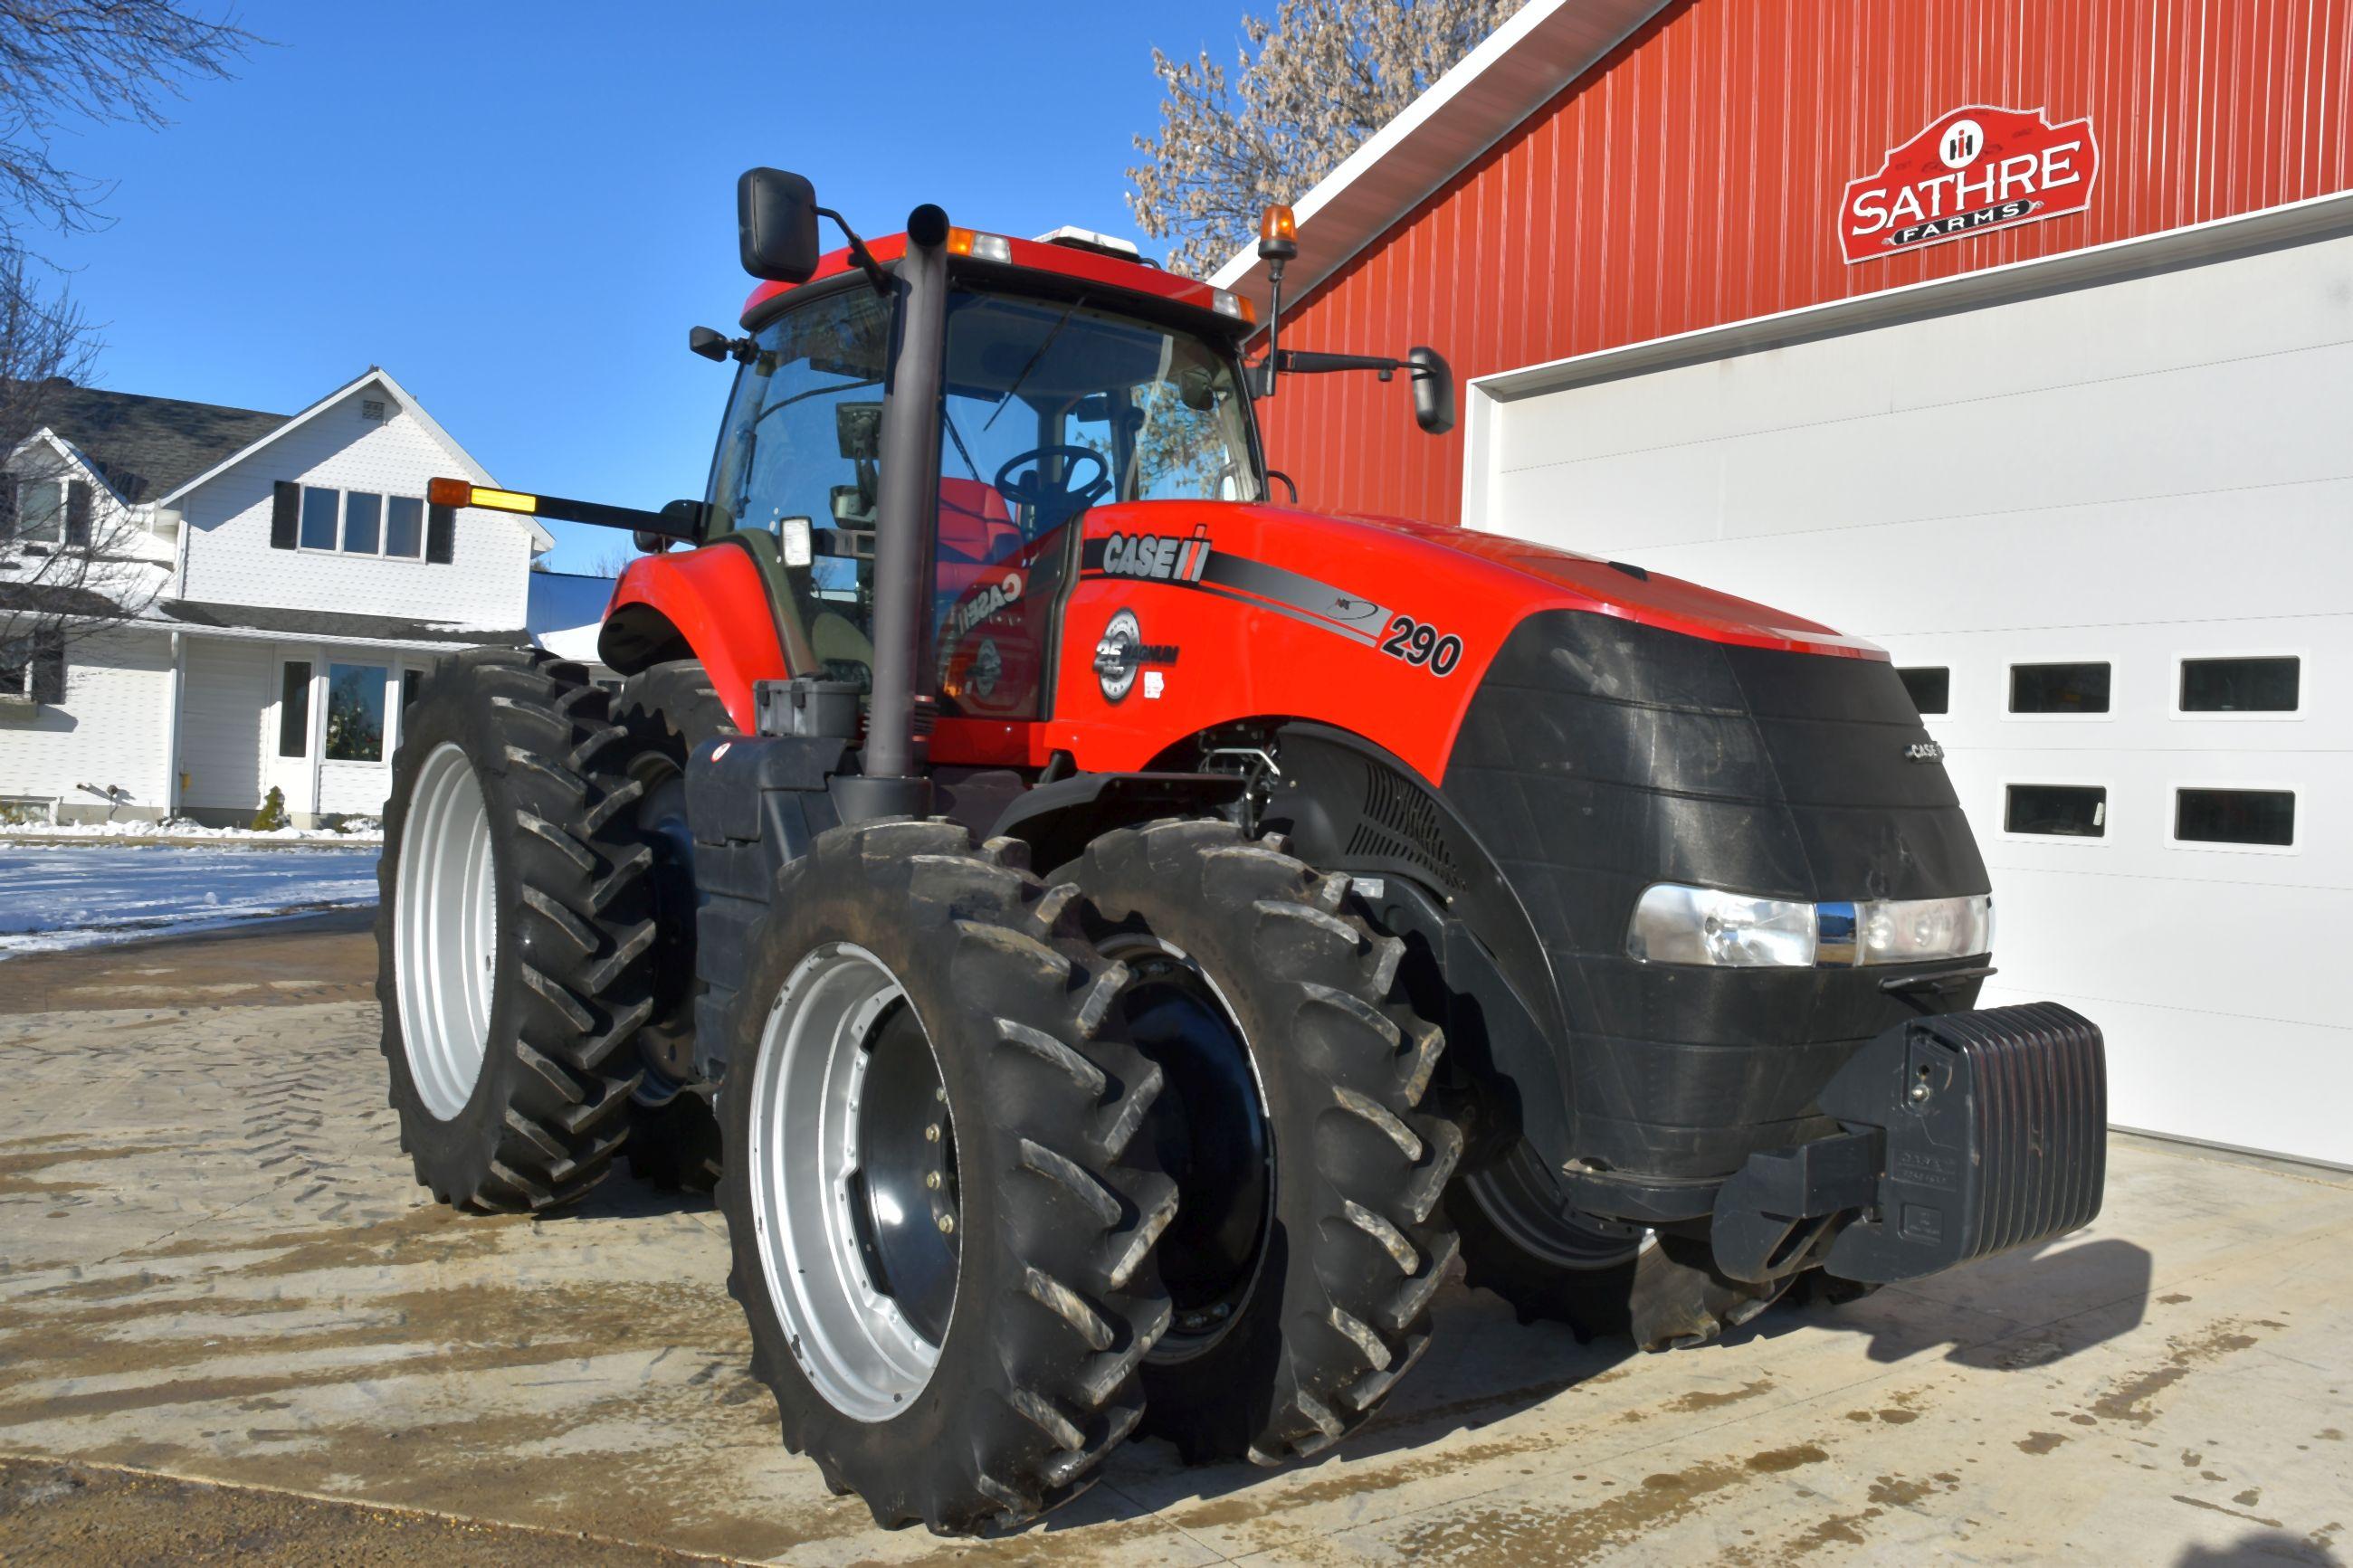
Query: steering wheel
point(1053, 505)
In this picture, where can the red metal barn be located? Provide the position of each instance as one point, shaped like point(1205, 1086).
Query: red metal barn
point(2016, 335)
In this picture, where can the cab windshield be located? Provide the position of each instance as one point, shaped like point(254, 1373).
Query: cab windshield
point(1163, 411)
point(1049, 407)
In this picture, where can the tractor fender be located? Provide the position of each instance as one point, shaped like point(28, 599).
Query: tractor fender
point(712, 604)
point(1347, 804)
point(1057, 820)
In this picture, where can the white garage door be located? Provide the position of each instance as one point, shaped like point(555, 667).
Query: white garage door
point(2149, 482)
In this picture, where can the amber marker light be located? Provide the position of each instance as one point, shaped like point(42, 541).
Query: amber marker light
point(1277, 223)
point(457, 492)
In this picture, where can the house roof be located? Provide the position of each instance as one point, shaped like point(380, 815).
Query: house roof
point(326, 625)
point(541, 538)
point(145, 448)
point(1544, 46)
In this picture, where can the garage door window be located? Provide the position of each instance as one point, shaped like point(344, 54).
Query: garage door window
point(355, 713)
point(2240, 685)
point(1931, 688)
point(2058, 811)
point(2256, 816)
point(2058, 688)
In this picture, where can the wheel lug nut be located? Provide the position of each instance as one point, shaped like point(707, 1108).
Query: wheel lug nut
point(947, 1225)
point(941, 1094)
point(931, 1134)
point(933, 1180)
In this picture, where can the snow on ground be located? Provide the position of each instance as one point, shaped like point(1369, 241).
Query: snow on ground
point(355, 830)
point(78, 895)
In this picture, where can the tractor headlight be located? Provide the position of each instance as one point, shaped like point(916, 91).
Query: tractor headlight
point(1676, 924)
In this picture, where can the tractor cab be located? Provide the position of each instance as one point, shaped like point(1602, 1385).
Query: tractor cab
point(1058, 392)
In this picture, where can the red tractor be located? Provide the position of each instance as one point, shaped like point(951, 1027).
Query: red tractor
point(1115, 940)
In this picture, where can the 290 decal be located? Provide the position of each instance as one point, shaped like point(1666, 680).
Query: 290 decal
point(1419, 643)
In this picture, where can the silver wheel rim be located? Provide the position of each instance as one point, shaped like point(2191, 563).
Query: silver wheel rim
point(446, 926)
point(853, 1343)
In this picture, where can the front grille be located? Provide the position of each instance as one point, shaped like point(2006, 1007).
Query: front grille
point(1400, 824)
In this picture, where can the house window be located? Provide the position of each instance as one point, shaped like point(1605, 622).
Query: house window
point(363, 520)
point(355, 713)
point(40, 509)
point(2235, 816)
point(294, 709)
point(2058, 688)
point(319, 508)
point(2063, 811)
point(2239, 685)
point(1931, 688)
point(404, 526)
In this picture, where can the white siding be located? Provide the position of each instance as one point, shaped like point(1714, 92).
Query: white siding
point(227, 714)
point(2131, 473)
point(108, 731)
point(229, 560)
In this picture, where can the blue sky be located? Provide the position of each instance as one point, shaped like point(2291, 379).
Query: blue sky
point(519, 209)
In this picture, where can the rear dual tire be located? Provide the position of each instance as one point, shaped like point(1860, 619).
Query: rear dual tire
point(512, 933)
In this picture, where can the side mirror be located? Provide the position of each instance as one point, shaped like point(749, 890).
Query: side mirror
point(710, 345)
point(776, 224)
point(1434, 391)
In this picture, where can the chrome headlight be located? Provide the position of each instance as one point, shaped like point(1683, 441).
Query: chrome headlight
point(1674, 924)
point(1678, 924)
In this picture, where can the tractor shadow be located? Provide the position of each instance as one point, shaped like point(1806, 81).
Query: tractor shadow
point(2015, 1313)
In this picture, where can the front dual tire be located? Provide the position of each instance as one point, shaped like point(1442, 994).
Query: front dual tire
point(941, 1205)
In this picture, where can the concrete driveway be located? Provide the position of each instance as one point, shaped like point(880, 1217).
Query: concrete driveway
point(231, 1328)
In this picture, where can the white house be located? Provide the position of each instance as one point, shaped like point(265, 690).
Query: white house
point(288, 584)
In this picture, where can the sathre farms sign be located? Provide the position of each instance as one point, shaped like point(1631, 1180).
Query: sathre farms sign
point(1970, 171)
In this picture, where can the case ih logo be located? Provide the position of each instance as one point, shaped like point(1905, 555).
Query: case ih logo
point(1970, 171)
point(1170, 557)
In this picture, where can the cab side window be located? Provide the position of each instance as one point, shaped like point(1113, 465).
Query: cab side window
point(799, 442)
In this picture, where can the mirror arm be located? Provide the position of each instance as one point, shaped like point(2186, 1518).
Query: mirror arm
point(858, 253)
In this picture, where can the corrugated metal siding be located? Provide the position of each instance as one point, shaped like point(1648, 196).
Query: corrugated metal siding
point(1694, 177)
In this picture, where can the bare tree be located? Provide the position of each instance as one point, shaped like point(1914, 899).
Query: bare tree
point(105, 60)
point(1308, 87)
point(70, 562)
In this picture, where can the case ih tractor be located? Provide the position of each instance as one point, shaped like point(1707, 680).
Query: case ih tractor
point(1115, 940)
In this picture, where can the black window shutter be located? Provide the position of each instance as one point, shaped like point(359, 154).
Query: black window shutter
point(48, 682)
point(285, 506)
point(77, 512)
point(440, 534)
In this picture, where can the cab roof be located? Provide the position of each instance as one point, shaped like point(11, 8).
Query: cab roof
point(1088, 266)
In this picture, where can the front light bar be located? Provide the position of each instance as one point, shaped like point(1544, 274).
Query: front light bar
point(1677, 924)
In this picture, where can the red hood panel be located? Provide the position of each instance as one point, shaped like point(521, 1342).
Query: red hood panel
point(1539, 574)
point(1381, 626)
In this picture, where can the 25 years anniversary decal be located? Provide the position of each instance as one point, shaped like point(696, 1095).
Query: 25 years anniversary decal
point(1191, 560)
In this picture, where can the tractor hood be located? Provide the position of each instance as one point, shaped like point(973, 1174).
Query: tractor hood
point(1618, 588)
point(1365, 563)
